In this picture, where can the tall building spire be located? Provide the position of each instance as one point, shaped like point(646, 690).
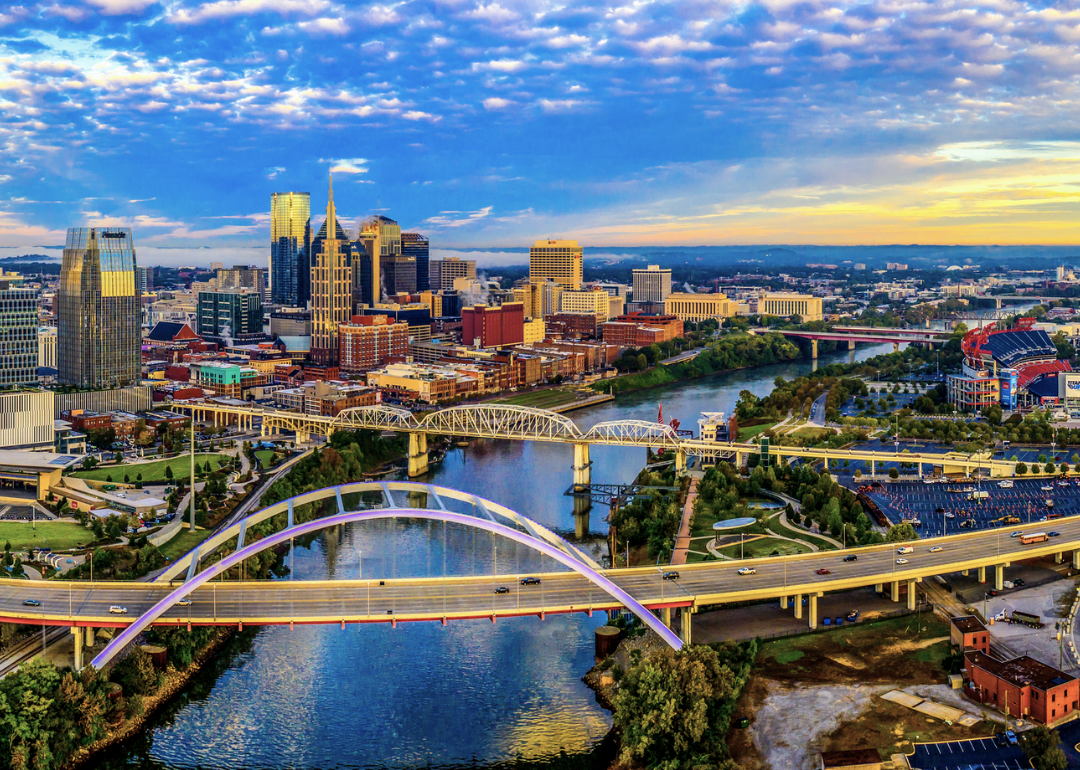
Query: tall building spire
point(331, 214)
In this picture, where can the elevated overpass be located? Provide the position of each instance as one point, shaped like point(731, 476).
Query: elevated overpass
point(585, 589)
point(877, 335)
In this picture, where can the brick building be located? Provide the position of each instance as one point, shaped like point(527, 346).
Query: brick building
point(493, 326)
point(369, 341)
point(1025, 686)
point(968, 633)
point(84, 421)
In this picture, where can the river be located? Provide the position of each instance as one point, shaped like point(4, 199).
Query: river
point(421, 695)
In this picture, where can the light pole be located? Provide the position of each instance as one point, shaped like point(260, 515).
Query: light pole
point(360, 563)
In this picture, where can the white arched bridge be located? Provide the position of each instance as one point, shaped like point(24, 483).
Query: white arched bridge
point(581, 587)
point(506, 421)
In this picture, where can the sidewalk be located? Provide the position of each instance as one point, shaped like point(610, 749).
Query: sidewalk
point(682, 540)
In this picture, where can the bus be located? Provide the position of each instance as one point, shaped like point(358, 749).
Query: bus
point(1034, 537)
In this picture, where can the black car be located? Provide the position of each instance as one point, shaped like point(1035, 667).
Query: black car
point(851, 557)
point(530, 581)
point(1051, 534)
point(503, 589)
point(671, 576)
point(1019, 583)
point(31, 603)
point(1001, 740)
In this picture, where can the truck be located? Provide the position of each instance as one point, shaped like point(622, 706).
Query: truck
point(981, 494)
point(1026, 619)
point(905, 549)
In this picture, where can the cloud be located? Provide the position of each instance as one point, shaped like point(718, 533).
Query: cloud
point(120, 7)
point(419, 115)
point(560, 105)
point(493, 13)
point(224, 9)
point(496, 103)
point(347, 165)
point(274, 171)
point(325, 26)
point(456, 218)
point(669, 44)
point(500, 65)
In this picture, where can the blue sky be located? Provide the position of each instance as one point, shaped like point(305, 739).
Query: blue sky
point(493, 123)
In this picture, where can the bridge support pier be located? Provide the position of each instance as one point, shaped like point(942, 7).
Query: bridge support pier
point(582, 467)
point(879, 587)
point(1076, 560)
point(896, 347)
point(665, 616)
point(77, 632)
point(982, 574)
point(783, 602)
point(895, 587)
point(1059, 558)
point(873, 467)
point(738, 459)
point(798, 606)
point(965, 572)
point(680, 462)
point(418, 454)
point(851, 351)
point(911, 594)
point(813, 610)
point(813, 349)
point(684, 624)
point(999, 575)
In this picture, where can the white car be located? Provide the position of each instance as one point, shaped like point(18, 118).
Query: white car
point(901, 561)
point(185, 602)
point(117, 609)
point(936, 549)
point(1047, 488)
point(747, 571)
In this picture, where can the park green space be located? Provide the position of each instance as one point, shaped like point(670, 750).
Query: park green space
point(57, 535)
point(763, 546)
point(265, 458)
point(182, 542)
point(541, 399)
point(747, 433)
point(155, 471)
point(776, 526)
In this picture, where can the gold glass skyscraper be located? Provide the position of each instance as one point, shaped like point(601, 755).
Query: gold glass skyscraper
point(290, 242)
point(559, 261)
point(331, 285)
point(98, 340)
point(380, 240)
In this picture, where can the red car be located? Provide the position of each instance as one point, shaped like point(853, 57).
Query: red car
point(824, 571)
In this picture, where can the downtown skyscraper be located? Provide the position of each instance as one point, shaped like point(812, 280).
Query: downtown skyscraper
point(98, 308)
point(331, 285)
point(290, 248)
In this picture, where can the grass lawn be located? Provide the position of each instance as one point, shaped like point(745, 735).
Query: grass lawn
point(696, 558)
point(814, 434)
point(748, 433)
point(181, 468)
point(57, 535)
point(265, 457)
point(541, 399)
point(183, 541)
point(775, 525)
point(763, 546)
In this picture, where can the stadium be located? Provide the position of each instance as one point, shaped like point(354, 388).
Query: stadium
point(1014, 368)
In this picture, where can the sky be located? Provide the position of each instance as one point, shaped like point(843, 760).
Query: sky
point(491, 124)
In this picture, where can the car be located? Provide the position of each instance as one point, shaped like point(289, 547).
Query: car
point(1017, 534)
point(1019, 583)
point(1053, 533)
point(824, 571)
point(502, 590)
point(936, 549)
point(901, 561)
point(853, 616)
point(31, 603)
point(530, 581)
point(1010, 736)
point(950, 515)
point(671, 576)
point(1001, 740)
point(851, 557)
point(185, 602)
point(1047, 488)
point(117, 609)
point(992, 592)
point(747, 571)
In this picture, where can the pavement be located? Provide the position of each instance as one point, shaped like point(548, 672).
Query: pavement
point(682, 539)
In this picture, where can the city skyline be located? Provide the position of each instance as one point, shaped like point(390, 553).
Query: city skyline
point(495, 124)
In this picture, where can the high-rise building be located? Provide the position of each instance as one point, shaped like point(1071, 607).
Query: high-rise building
point(379, 240)
point(231, 316)
point(98, 309)
point(417, 246)
point(560, 261)
point(242, 277)
point(593, 301)
point(399, 275)
point(651, 285)
point(485, 327)
point(369, 341)
point(46, 346)
point(144, 279)
point(442, 272)
point(331, 285)
point(540, 298)
point(290, 244)
point(18, 332)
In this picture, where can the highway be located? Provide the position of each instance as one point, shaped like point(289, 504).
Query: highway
point(286, 601)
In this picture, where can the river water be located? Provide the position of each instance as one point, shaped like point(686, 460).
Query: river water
point(423, 695)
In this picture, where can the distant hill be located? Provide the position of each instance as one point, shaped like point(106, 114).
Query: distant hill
point(30, 258)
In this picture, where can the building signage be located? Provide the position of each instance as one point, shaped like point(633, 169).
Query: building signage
point(1008, 388)
point(113, 234)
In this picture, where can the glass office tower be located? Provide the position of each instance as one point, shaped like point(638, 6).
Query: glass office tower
point(18, 332)
point(417, 246)
point(290, 248)
point(98, 309)
point(331, 285)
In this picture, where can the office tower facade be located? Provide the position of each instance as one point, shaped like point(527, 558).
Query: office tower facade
point(98, 309)
point(331, 285)
point(378, 242)
point(290, 244)
point(540, 298)
point(418, 247)
point(242, 277)
point(442, 272)
point(651, 285)
point(144, 279)
point(46, 347)
point(486, 327)
point(231, 316)
point(399, 275)
point(18, 332)
point(559, 261)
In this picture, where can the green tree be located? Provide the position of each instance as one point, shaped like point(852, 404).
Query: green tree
point(901, 533)
point(136, 673)
point(1021, 469)
point(893, 473)
point(1042, 746)
point(642, 362)
point(1048, 468)
point(168, 472)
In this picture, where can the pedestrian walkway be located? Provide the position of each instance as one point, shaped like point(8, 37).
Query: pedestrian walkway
point(682, 540)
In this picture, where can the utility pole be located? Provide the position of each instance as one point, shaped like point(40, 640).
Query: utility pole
point(192, 470)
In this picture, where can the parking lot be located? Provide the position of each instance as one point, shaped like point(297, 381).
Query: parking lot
point(977, 754)
point(930, 507)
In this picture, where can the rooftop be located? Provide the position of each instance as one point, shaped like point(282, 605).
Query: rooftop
point(39, 461)
point(1020, 671)
point(968, 624)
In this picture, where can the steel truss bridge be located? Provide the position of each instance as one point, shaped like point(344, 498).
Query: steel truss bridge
point(582, 587)
point(505, 421)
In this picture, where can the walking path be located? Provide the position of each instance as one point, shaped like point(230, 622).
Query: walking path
point(682, 540)
point(786, 523)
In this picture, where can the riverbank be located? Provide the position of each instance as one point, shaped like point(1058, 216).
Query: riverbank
point(174, 681)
